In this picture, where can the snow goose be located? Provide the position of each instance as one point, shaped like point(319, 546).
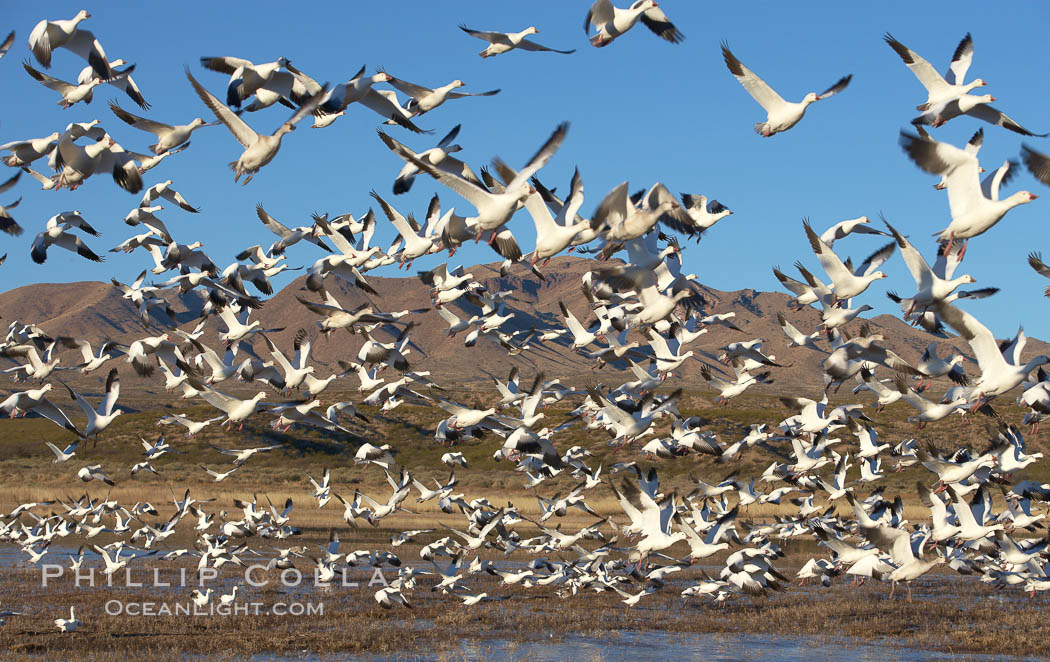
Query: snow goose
point(494, 209)
point(164, 190)
point(621, 217)
point(610, 22)
point(93, 360)
point(71, 94)
point(551, 236)
point(998, 374)
point(242, 455)
point(359, 89)
point(192, 427)
point(973, 212)
point(845, 284)
point(974, 106)
point(99, 419)
point(852, 226)
point(728, 389)
point(868, 382)
point(701, 212)
point(795, 337)
point(933, 366)
point(49, 35)
point(258, 149)
point(439, 157)
point(928, 411)
point(63, 454)
point(122, 81)
point(909, 565)
point(288, 236)
point(237, 410)
point(424, 99)
point(246, 77)
point(94, 472)
point(780, 115)
point(415, 243)
point(36, 400)
point(939, 90)
point(24, 152)
point(69, 624)
point(930, 287)
point(168, 136)
point(501, 42)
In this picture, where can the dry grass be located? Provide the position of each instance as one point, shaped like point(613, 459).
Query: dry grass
point(950, 614)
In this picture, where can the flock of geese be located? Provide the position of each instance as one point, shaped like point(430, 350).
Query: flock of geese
point(978, 509)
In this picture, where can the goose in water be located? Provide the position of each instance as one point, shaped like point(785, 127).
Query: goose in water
point(973, 211)
point(610, 22)
point(780, 115)
point(258, 149)
point(939, 89)
point(501, 42)
point(168, 136)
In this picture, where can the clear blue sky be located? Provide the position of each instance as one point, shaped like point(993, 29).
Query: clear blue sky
point(641, 110)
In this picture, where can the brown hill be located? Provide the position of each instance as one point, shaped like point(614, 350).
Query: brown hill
point(96, 311)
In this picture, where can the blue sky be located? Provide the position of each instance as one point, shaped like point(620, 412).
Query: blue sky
point(641, 110)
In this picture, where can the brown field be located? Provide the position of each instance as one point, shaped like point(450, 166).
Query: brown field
point(949, 613)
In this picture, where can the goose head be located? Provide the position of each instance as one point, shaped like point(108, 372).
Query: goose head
point(810, 98)
point(1021, 198)
point(82, 15)
point(530, 30)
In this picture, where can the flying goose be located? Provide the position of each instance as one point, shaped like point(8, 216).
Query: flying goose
point(168, 136)
point(258, 149)
point(501, 42)
point(7, 223)
point(424, 99)
point(99, 419)
point(940, 90)
point(780, 115)
point(610, 22)
point(49, 35)
point(71, 94)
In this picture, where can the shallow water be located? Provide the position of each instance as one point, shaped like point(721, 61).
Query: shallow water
point(630, 646)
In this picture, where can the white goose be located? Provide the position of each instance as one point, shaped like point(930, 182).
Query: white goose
point(502, 42)
point(845, 284)
point(424, 99)
point(494, 209)
point(49, 35)
point(168, 136)
point(998, 374)
point(939, 90)
point(551, 236)
point(71, 94)
point(69, 624)
point(237, 410)
point(101, 418)
point(258, 149)
point(610, 22)
point(973, 213)
point(780, 115)
point(930, 287)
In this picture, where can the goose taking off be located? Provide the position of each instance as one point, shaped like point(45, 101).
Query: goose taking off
point(610, 22)
point(780, 115)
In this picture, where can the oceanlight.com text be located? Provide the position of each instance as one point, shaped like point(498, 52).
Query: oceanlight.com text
point(135, 609)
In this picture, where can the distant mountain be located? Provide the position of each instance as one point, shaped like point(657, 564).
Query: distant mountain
point(96, 311)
